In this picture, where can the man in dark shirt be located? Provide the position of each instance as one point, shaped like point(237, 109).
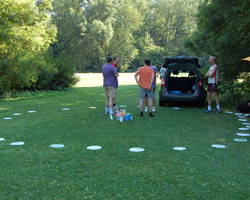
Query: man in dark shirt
point(110, 84)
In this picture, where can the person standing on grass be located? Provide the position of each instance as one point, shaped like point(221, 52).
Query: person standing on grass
point(146, 79)
point(212, 75)
point(110, 84)
point(162, 72)
point(115, 63)
point(154, 88)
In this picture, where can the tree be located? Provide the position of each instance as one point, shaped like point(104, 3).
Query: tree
point(223, 30)
point(25, 32)
point(89, 31)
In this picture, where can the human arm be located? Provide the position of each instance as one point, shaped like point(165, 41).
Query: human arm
point(151, 84)
point(136, 79)
point(211, 74)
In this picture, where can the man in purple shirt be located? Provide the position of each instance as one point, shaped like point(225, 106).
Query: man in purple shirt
point(110, 84)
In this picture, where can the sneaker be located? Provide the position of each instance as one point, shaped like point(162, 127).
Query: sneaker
point(111, 117)
point(207, 111)
point(216, 111)
point(151, 115)
point(106, 112)
point(141, 115)
point(146, 109)
point(153, 109)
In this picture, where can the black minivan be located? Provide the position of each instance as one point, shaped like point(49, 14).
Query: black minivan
point(182, 81)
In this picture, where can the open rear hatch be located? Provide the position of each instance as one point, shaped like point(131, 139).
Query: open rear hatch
point(181, 62)
point(181, 82)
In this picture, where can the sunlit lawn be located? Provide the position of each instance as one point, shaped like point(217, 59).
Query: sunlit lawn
point(36, 171)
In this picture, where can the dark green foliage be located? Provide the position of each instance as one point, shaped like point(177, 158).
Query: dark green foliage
point(223, 31)
point(64, 77)
point(88, 31)
point(236, 92)
point(26, 33)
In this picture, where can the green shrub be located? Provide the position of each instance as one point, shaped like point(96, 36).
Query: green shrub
point(35, 71)
point(64, 77)
point(236, 91)
point(45, 70)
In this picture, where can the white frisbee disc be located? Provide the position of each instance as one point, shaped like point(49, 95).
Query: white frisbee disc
point(16, 143)
point(229, 112)
point(244, 129)
point(6, 118)
point(176, 108)
point(57, 146)
point(243, 120)
point(247, 124)
point(94, 147)
point(247, 115)
point(92, 107)
point(136, 149)
point(219, 146)
point(241, 116)
point(179, 148)
point(2, 139)
point(240, 140)
point(16, 114)
point(31, 111)
point(238, 113)
point(243, 134)
point(65, 109)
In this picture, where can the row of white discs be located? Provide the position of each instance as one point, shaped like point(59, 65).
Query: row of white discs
point(247, 128)
point(138, 149)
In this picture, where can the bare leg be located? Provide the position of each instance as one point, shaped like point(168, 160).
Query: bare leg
point(113, 100)
point(216, 98)
point(146, 101)
point(150, 104)
point(141, 105)
point(107, 102)
point(110, 103)
point(209, 94)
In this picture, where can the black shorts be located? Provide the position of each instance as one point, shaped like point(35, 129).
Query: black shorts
point(212, 87)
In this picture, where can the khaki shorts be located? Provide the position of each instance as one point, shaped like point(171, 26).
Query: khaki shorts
point(110, 92)
point(143, 92)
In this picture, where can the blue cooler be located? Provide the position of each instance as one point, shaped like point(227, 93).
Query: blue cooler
point(128, 117)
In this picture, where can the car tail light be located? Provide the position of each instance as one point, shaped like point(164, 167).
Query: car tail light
point(199, 83)
point(162, 82)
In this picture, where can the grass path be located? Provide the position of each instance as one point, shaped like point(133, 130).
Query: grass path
point(36, 171)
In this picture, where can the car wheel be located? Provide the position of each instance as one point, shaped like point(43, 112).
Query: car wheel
point(161, 103)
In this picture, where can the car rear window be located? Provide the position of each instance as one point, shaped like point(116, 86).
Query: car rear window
point(182, 73)
point(180, 65)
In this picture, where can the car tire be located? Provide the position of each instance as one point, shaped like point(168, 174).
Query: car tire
point(161, 103)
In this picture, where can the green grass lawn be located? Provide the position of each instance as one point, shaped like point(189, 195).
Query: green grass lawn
point(36, 171)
